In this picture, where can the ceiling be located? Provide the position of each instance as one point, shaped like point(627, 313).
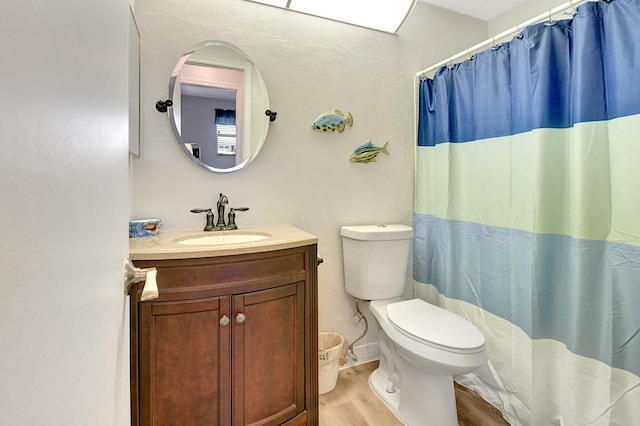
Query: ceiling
point(480, 9)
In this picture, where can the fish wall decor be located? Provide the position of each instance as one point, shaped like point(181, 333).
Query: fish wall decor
point(367, 152)
point(332, 121)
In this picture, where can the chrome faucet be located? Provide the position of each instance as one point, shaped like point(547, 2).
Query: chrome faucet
point(222, 201)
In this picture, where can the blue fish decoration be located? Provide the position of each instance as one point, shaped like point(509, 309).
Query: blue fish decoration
point(332, 121)
point(368, 152)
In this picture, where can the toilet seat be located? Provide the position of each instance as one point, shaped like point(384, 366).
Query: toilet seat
point(451, 332)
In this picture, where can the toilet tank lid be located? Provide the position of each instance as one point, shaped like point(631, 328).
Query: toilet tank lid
point(377, 232)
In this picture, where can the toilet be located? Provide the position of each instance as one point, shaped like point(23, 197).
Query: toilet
point(422, 346)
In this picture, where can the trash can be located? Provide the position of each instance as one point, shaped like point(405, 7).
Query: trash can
point(332, 349)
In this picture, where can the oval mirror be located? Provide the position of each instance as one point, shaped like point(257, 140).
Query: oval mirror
point(218, 106)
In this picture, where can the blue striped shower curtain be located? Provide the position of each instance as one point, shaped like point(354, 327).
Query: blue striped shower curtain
point(527, 214)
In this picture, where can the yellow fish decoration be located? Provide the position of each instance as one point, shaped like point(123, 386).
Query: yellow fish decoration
point(368, 152)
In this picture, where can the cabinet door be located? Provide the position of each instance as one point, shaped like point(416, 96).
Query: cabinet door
point(185, 363)
point(268, 355)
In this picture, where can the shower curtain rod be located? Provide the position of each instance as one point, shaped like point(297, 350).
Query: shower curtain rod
point(492, 41)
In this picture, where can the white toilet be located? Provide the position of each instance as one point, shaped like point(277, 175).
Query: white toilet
point(422, 346)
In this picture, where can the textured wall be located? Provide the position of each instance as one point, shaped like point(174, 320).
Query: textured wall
point(301, 177)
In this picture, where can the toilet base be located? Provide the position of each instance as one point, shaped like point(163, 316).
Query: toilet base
point(377, 383)
point(427, 400)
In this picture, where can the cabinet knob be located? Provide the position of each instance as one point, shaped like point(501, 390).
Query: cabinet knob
point(224, 320)
point(240, 318)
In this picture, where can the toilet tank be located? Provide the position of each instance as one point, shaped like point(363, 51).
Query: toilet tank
point(375, 260)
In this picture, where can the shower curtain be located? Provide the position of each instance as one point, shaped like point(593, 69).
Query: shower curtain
point(527, 214)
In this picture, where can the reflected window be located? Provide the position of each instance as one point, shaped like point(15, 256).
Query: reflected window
point(226, 139)
point(226, 135)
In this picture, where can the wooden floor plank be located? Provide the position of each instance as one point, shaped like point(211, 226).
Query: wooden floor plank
point(346, 413)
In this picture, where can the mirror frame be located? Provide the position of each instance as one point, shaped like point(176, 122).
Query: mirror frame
point(253, 125)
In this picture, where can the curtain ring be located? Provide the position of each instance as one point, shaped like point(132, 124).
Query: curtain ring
point(450, 63)
point(495, 46)
point(518, 35)
point(549, 22)
point(572, 10)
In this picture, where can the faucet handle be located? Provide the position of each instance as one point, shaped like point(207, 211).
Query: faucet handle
point(232, 216)
point(209, 225)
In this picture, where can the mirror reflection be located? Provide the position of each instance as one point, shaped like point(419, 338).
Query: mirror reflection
point(219, 103)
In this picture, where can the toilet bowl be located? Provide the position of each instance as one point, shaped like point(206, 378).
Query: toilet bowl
point(422, 346)
point(437, 340)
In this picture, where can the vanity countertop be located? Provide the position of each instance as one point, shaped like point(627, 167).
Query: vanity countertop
point(165, 245)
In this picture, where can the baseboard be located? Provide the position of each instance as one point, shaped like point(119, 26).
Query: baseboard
point(364, 353)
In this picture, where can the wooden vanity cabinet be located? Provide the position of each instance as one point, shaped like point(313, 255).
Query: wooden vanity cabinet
point(232, 340)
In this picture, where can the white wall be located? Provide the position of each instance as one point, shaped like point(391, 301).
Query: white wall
point(63, 213)
point(301, 177)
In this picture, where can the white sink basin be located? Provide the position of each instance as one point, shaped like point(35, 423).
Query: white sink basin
point(222, 239)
